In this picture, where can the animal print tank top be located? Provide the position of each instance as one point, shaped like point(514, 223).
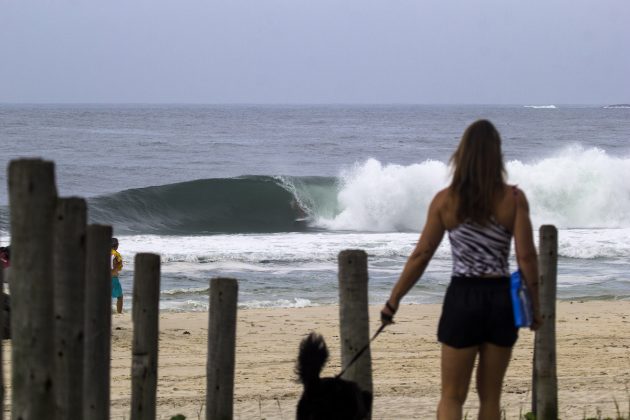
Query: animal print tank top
point(480, 250)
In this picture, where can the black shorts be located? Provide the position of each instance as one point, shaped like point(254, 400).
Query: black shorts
point(477, 310)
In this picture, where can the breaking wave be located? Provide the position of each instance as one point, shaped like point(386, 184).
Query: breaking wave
point(575, 188)
point(220, 205)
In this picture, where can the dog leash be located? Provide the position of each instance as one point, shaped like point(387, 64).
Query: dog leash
point(356, 356)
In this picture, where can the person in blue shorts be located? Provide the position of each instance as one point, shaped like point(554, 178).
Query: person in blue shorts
point(116, 267)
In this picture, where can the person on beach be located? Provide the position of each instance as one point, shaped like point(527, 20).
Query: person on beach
point(5, 256)
point(5, 263)
point(117, 265)
point(480, 212)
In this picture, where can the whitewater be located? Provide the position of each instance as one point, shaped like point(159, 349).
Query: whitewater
point(270, 195)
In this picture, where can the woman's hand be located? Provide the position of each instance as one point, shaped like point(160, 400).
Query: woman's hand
point(387, 313)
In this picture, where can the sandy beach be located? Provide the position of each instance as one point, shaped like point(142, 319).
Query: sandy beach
point(593, 362)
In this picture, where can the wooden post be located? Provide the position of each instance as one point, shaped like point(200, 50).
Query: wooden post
point(33, 198)
point(69, 288)
point(534, 392)
point(545, 342)
point(221, 349)
point(354, 317)
point(98, 323)
point(145, 313)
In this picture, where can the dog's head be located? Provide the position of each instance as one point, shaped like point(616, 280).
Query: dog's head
point(327, 398)
point(312, 357)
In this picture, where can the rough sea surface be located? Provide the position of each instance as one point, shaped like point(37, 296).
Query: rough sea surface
point(271, 194)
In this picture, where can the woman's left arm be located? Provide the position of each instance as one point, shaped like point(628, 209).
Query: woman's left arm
point(417, 262)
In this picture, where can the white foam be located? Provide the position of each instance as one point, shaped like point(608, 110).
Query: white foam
point(576, 188)
point(259, 251)
point(280, 303)
point(540, 106)
point(594, 243)
point(185, 290)
point(376, 197)
point(184, 306)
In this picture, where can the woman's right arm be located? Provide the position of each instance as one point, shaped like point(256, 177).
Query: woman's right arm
point(419, 259)
point(526, 253)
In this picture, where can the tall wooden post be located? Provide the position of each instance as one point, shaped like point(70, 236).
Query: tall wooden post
point(145, 312)
point(33, 198)
point(545, 342)
point(69, 275)
point(354, 317)
point(98, 323)
point(221, 349)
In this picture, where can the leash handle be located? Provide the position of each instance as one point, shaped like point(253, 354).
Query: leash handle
point(360, 352)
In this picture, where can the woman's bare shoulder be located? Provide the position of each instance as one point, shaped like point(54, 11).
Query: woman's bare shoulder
point(512, 198)
point(443, 204)
point(442, 197)
point(516, 193)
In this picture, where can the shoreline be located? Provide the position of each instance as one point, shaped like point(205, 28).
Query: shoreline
point(593, 359)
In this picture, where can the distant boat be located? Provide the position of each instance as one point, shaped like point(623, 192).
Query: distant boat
point(540, 106)
point(617, 106)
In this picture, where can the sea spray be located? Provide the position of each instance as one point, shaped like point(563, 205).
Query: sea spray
point(377, 197)
point(576, 188)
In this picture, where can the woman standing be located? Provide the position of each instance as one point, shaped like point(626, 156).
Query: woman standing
point(481, 213)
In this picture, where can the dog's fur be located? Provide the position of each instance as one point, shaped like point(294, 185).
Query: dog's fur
point(327, 398)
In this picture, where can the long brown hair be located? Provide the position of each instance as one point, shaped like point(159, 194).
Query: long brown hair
point(478, 172)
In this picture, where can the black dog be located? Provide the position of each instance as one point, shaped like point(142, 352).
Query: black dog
point(327, 398)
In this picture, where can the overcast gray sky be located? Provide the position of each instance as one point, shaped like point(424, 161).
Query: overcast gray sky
point(315, 51)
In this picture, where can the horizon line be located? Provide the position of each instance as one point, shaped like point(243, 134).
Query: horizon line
point(2, 103)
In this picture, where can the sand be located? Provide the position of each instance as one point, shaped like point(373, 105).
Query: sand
point(593, 342)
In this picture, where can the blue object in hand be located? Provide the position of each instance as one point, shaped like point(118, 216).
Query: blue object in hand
point(521, 301)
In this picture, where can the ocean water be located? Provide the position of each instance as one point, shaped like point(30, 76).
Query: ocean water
point(271, 194)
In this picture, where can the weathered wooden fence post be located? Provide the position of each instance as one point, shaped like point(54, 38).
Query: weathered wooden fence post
point(98, 323)
point(145, 312)
point(354, 317)
point(69, 297)
point(546, 388)
point(33, 198)
point(221, 349)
